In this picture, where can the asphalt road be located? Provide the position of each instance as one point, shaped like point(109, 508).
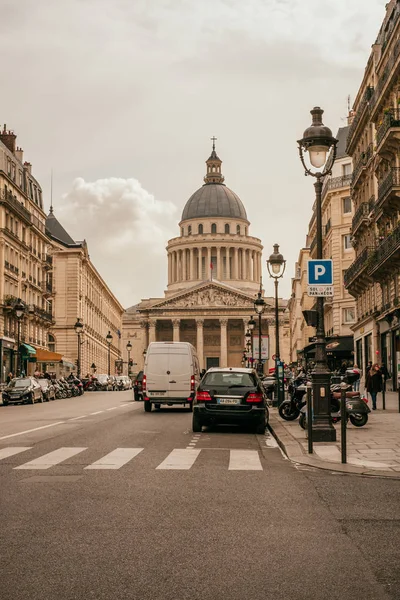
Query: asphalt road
point(101, 500)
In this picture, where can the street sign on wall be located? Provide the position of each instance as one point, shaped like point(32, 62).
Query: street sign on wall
point(264, 347)
point(320, 277)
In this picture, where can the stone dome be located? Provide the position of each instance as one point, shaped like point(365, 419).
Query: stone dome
point(214, 200)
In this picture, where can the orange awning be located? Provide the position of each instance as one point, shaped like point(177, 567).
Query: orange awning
point(46, 356)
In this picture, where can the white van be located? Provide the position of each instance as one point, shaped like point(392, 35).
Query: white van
point(171, 374)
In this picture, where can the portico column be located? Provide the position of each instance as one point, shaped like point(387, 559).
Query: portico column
point(208, 269)
point(219, 270)
point(236, 264)
point(184, 265)
point(169, 267)
point(176, 330)
point(228, 270)
point(224, 342)
point(191, 274)
point(175, 275)
point(199, 257)
point(152, 330)
point(243, 264)
point(200, 342)
point(250, 275)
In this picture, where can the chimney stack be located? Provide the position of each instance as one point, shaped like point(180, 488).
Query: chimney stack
point(28, 167)
point(19, 153)
point(8, 138)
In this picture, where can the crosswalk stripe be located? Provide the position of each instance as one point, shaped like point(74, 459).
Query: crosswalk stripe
point(7, 452)
point(180, 460)
point(244, 460)
point(52, 458)
point(115, 459)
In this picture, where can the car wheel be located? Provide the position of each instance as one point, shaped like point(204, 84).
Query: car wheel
point(196, 423)
point(41, 397)
point(147, 405)
point(31, 399)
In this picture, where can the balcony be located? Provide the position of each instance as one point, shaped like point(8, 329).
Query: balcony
point(6, 197)
point(357, 275)
point(390, 66)
point(361, 164)
point(47, 289)
point(38, 224)
point(334, 183)
point(389, 131)
point(386, 257)
point(362, 213)
point(358, 118)
point(327, 227)
point(389, 192)
point(42, 314)
point(48, 263)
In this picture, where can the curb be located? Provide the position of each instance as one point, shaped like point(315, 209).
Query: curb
point(296, 454)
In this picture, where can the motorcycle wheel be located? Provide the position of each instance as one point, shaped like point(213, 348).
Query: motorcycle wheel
point(288, 411)
point(303, 421)
point(359, 420)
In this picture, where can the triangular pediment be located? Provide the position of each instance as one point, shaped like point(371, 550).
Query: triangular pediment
point(207, 295)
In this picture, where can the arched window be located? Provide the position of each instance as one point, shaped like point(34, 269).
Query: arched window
point(227, 229)
point(238, 229)
point(190, 230)
point(51, 343)
point(214, 228)
point(200, 228)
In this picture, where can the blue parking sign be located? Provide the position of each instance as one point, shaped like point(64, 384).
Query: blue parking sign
point(320, 272)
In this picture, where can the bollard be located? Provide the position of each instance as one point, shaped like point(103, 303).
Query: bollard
point(309, 418)
point(343, 423)
point(383, 393)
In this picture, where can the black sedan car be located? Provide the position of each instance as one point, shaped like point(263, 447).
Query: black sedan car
point(48, 389)
point(23, 389)
point(231, 396)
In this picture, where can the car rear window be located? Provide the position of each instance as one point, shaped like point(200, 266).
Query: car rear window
point(229, 378)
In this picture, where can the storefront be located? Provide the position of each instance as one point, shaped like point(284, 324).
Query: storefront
point(7, 357)
point(390, 347)
point(365, 344)
point(52, 362)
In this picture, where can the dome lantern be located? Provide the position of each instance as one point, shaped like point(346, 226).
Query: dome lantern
point(214, 163)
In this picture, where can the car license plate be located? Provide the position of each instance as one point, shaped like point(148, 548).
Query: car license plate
point(228, 400)
point(157, 393)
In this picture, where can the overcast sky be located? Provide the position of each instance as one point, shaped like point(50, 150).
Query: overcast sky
point(120, 98)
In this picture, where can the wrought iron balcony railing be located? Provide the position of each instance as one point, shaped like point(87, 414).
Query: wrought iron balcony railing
point(390, 119)
point(391, 180)
point(6, 197)
point(359, 114)
point(362, 213)
point(385, 249)
point(357, 266)
point(385, 74)
point(334, 183)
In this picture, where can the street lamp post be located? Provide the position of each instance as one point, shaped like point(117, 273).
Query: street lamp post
point(320, 144)
point(19, 311)
point(109, 339)
point(276, 267)
point(79, 330)
point(251, 324)
point(129, 348)
point(259, 307)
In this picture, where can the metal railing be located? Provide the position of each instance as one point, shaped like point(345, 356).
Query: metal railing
point(391, 179)
point(362, 163)
point(357, 266)
point(360, 113)
point(385, 74)
point(390, 119)
point(6, 197)
point(333, 183)
point(360, 215)
point(386, 248)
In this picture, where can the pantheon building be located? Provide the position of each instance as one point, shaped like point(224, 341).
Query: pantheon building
point(214, 274)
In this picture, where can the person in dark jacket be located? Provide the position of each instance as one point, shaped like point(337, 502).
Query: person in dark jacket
point(374, 383)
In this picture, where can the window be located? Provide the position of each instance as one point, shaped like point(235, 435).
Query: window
point(190, 230)
point(213, 228)
point(238, 229)
point(347, 242)
point(347, 205)
point(51, 343)
point(200, 228)
point(20, 179)
point(346, 169)
point(227, 228)
point(349, 315)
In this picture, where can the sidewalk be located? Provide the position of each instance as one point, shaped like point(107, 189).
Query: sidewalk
point(371, 450)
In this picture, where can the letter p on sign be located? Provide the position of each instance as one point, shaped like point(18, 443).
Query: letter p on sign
point(319, 271)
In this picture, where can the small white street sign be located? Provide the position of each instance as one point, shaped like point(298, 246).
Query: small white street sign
point(320, 290)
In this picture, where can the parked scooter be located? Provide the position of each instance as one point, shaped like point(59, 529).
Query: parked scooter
point(72, 380)
point(357, 409)
point(290, 409)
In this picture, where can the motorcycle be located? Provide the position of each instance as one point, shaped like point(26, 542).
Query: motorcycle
point(77, 383)
point(357, 409)
point(290, 409)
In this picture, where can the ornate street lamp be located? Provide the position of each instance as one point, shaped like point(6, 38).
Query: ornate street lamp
point(93, 367)
point(251, 325)
point(259, 307)
point(19, 311)
point(276, 265)
point(320, 144)
point(129, 348)
point(109, 339)
point(79, 330)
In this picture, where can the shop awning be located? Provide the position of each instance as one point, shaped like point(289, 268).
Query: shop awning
point(344, 344)
point(27, 349)
point(44, 356)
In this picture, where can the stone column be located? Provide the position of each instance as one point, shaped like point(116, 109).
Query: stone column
point(176, 330)
point(228, 270)
point(199, 257)
point(200, 342)
point(173, 272)
point(152, 330)
point(184, 265)
point(169, 267)
point(219, 269)
point(208, 270)
point(244, 274)
point(249, 273)
point(224, 342)
point(236, 264)
point(191, 274)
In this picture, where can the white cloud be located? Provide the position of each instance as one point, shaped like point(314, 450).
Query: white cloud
point(126, 229)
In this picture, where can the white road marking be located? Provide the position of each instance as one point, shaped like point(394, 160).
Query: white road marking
point(244, 460)
point(6, 437)
point(180, 460)
point(76, 418)
point(52, 458)
point(113, 408)
point(97, 412)
point(115, 459)
point(7, 452)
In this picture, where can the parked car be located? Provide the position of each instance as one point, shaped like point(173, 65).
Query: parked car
point(123, 382)
point(105, 382)
point(48, 389)
point(138, 387)
point(23, 389)
point(231, 396)
point(171, 374)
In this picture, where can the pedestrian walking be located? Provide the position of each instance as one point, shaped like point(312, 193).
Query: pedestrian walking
point(356, 384)
point(374, 383)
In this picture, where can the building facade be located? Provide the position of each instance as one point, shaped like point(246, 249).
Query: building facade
point(214, 274)
point(23, 259)
point(374, 143)
point(301, 335)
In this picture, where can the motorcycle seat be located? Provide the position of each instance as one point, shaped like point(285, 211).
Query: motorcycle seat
point(337, 395)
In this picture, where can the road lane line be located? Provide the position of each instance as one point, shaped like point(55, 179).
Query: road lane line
point(7, 452)
point(6, 437)
point(76, 418)
point(180, 460)
point(52, 458)
point(115, 459)
point(113, 408)
point(244, 460)
point(97, 412)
